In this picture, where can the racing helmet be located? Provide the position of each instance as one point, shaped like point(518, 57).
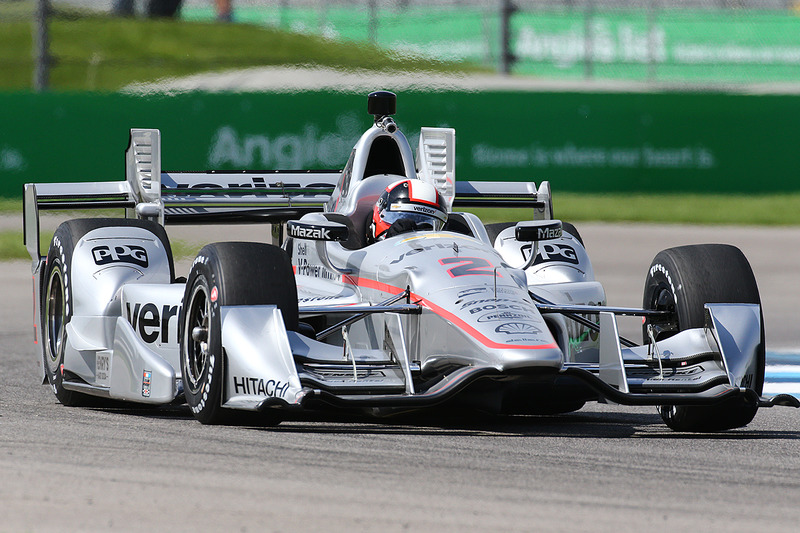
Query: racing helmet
point(412, 201)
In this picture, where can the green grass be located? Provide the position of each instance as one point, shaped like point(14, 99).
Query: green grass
point(756, 210)
point(9, 206)
point(760, 210)
point(95, 52)
point(11, 246)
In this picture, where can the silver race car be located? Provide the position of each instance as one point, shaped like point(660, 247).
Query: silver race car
point(377, 294)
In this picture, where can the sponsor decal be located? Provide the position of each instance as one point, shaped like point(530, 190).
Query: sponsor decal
point(504, 315)
point(316, 233)
point(302, 248)
point(472, 303)
point(316, 299)
point(550, 252)
point(269, 388)
point(120, 253)
point(438, 245)
point(517, 328)
point(102, 367)
point(147, 376)
point(497, 307)
point(214, 294)
point(549, 233)
point(470, 292)
point(151, 323)
point(201, 259)
point(526, 340)
point(304, 268)
point(415, 208)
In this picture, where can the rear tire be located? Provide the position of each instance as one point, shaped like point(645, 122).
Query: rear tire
point(229, 273)
point(56, 302)
point(682, 280)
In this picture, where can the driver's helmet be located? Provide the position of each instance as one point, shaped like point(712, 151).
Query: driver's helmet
point(407, 205)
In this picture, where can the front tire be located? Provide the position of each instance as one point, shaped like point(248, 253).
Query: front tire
point(681, 280)
point(229, 273)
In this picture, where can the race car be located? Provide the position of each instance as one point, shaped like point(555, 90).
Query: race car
point(376, 293)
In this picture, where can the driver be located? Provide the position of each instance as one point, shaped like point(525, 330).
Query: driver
point(407, 205)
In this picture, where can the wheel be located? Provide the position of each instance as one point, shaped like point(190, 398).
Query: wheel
point(681, 280)
point(228, 273)
point(56, 303)
point(493, 230)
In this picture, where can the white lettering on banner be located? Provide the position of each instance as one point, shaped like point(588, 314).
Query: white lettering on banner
point(573, 156)
point(610, 42)
point(309, 149)
point(12, 160)
point(567, 48)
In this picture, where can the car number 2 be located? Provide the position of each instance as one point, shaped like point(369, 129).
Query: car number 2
point(468, 266)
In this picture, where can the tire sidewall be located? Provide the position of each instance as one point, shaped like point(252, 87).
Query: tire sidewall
point(59, 262)
point(206, 401)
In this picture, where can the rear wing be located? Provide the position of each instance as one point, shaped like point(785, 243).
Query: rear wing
point(219, 197)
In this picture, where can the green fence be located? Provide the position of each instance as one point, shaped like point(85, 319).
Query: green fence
point(692, 142)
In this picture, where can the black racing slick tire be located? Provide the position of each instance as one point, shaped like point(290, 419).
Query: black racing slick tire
point(56, 294)
point(223, 274)
point(682, 280)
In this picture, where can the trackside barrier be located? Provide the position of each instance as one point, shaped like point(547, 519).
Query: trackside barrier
point(597, 142)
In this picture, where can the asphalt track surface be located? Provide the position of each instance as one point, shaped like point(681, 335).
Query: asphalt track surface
point(604, 468)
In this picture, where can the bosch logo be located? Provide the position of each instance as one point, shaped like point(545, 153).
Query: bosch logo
point(494, 307)
point(120, 253)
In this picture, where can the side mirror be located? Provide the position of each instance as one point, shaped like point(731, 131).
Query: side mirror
point(317, 231)
point(534, 231)
point(538, 230)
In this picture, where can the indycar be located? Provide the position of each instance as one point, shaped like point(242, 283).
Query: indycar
point(505, 318)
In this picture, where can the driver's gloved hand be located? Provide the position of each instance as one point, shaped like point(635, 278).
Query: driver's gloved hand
point(401, 226)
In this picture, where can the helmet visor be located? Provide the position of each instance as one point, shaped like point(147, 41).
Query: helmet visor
point(422, 220)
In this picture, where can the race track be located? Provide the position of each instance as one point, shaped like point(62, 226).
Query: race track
point(604, 468)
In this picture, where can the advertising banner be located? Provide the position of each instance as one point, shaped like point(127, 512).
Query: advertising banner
point(651, 43)
point(659, 142)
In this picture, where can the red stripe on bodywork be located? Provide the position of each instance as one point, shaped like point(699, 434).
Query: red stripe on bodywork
point(447, 315)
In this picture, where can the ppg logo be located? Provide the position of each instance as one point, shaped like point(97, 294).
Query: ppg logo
point(120, 253)
point(548, 252)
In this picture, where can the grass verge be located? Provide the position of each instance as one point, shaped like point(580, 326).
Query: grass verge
point(106, 53)
point(756, 210)
point(761, 210)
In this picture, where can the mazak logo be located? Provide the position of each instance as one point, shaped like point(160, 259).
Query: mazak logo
point(549, 233)
point(302, 232)
point(120, 253)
